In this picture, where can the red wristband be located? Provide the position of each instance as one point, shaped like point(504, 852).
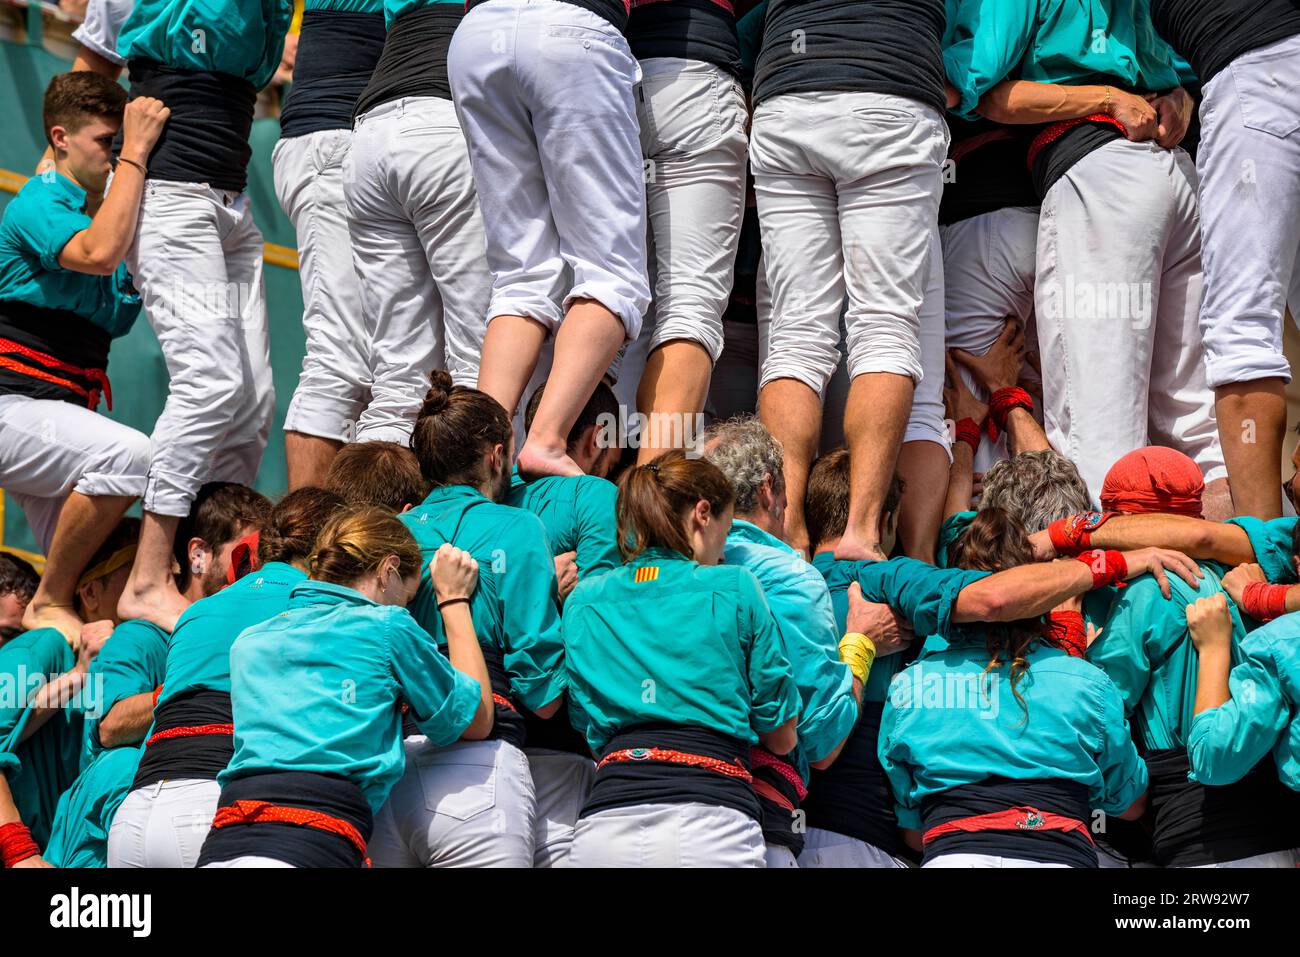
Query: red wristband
point(1263, 601)
point(1108, 567)
point(16, 844)
point(1073, 535)
point(1001, 404)
point(968, 430)
point(1068, 631)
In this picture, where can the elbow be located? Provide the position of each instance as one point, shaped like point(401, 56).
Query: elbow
point(483, 722)
point(782, 740)
point(549, 710)
point(109, 734)
point(1136, 809)
point(981, 603)
point(99, 266)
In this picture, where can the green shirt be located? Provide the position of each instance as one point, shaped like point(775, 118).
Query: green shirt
point(665, 640)
point(1072, 42)
point(47, 212)
point(577, 512)
point(241, 38)
point(515, 604)
point(395, 8)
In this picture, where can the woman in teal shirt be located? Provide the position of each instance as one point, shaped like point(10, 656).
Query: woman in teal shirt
point(319, 693)
point(675, 671)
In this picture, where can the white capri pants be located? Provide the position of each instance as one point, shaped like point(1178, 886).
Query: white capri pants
point(1289, 859)
point(418, 245)
point(983, 860)
point(544, 91)
point(49, 448)
point(470, 804)
point(692, 117)
point(335, 379)
point(829, 849)
point(1249, 163)
point(1116, 301)
point(197, 262)
point(668, 835)
point(848, 188)
point(163, 824)
point(248, 860)
point(562, 782)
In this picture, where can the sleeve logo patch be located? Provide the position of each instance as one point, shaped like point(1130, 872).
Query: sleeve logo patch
point(647, 573)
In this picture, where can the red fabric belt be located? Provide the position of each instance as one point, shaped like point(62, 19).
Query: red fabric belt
point(736, 770)
point(1050, 134)
point(263, 812)
point(193, 731)
point(1012, 819)
point(98, 376)
point(762, 758)
point(504, 702)
point(763, 789)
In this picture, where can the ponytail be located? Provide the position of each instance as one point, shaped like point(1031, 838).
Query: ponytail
point(355, 541)
point(653, 501)
point(290, 531)
point(453, 429)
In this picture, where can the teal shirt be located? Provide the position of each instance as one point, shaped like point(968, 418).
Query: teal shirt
point(1072, 42)
point(47, 212)
point(947, 723)
point(241, 38)
point(319, 688)
point(953, 527)
point(577, 512)
point(198, 655)
point(921, 593)
point(41, 768)
point(130, 663)
point(515, 604)
point(1271, 541)
point(395, 8)
point(1147, 651)
point(805, 623)
point(665, 640)
point(345, 6)
point(1227, 741)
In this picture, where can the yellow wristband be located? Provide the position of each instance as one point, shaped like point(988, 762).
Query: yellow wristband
point(858, 652)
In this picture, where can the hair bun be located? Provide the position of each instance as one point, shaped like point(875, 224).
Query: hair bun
point(440, 386)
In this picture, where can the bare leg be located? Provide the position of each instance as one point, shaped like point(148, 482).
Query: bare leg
point(874, 422)
point(586, 344)
point(792, 412)
point(1252, 423)
point(675, 383)
point(308, 458)
point(510, 350)
point(84, 523)
point(150, 592)
point(924, 468)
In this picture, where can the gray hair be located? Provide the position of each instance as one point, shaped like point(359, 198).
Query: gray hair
point(746, 453)
point(1037, 488)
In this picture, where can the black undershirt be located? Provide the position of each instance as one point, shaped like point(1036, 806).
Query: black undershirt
point(201, 757)
point(56, 332)
point(206, 136)
point(689, 29)
point(991, 176)
point(1210, 34)
point(615, 11)
point(1058, 157)
point(862, 46)
point(337, 53)
point(414, 58)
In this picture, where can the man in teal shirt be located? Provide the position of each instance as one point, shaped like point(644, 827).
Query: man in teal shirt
point(64, 296)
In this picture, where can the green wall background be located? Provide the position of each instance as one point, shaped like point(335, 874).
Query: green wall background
point(135, 364)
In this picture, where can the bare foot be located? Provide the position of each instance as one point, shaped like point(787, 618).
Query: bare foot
point(63, 617)
point(538, 461)
point(854, 549)
point(158, 604)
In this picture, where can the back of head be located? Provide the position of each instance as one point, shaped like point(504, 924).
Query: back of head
point(220, 513)
point(600, 410)
point(291, 529)
point(1154, 479)
point(1036, 488)
point(826, 502)
point(383, 474)
point(17, 577)
point(747, 454)
point(654, 500)
point(455, 427)
point(116, 554)
point(72, 99)
point(356, 540)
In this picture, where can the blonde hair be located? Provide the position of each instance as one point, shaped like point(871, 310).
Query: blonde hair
point(355, 541)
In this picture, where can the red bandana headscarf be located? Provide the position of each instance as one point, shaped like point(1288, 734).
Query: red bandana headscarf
point(1154, 479)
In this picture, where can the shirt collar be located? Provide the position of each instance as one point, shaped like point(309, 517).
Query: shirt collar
point(656, 554)
point(451, 493)
point(312, 592)
point(742, 531)
point(62, 184)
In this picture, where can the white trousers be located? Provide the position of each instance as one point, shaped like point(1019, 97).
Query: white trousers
point(249, 860)
point(668, 835)
point(988, 277)
point(163, 824)
point(692, 117)
point(983, 860)
point(1249, 163)
point(470, 804)
point(1289, 859)
point(1116, 301)
point(848, 188)
point(829, 849)
point(49, 448)
point(418, 245)
point(777, 855)
point(544, 91)
point(335, 379)
point(562, 782)
point(197, 262)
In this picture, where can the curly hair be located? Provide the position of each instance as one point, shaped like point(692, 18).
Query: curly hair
point(1036, 488)
point(746, 453)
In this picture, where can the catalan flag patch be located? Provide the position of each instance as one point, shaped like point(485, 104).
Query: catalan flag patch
point(646, 573)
